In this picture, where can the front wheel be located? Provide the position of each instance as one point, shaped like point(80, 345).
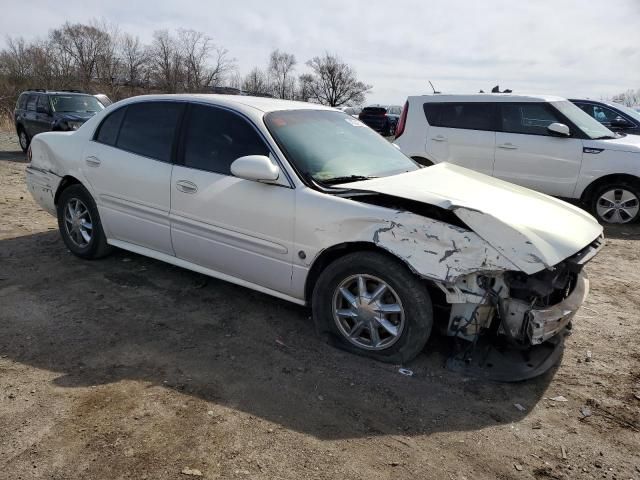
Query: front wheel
point(617, 203)
point(80, 225)
point(370, 304)
point(23, 139)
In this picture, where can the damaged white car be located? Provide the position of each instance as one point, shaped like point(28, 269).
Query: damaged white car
point(307, 204)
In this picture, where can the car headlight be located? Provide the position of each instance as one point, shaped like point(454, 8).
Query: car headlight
point(74, 125)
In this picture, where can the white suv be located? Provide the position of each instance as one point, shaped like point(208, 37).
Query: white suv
point(541, 142)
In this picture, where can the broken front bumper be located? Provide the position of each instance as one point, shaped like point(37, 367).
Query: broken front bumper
point(542, 324)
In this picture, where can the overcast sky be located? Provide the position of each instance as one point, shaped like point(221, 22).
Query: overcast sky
point(564, 47)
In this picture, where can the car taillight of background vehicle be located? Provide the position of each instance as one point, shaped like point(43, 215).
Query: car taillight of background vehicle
point(403, 120)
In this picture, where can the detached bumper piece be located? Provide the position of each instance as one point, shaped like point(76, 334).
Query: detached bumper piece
point(503, 363)
point(543, 323)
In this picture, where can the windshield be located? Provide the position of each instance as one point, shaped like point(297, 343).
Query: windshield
point(589, 125)
point(75, 103)
point(629, 111)
point(333, 147)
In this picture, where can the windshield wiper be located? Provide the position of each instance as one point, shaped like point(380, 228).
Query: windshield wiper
point(346, 179)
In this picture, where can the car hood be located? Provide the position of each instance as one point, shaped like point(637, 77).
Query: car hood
point(76, 116)
point(628, 143)
point(532, 230)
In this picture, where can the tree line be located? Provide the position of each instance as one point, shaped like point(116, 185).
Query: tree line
point(98, 58)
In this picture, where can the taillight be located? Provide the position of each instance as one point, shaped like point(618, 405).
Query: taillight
point(403, 120)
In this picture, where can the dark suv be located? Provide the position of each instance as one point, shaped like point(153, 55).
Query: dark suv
point(383, 119)
point(612, 115)
point(43, 110)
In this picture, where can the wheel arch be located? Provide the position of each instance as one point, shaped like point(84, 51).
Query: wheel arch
point(331, 254)
point(587, 193)
point(66, 182)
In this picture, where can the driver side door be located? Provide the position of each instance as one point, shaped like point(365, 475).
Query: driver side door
point(236, 227)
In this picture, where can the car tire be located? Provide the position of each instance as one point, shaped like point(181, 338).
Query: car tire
point(617, 202)
point(80, 225)
point(23, 139)
point(399, 320)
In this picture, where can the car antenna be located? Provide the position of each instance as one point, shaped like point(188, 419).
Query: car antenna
point(433, 88)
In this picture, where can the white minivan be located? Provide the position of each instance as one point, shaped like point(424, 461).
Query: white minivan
point(541, 142)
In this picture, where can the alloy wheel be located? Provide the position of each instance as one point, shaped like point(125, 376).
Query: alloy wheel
point(78, 223)
point(368, 312)
point(618, 205)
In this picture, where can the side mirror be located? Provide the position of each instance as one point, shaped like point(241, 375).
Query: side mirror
point(41, 109)
point(258, 168)
point(559, 130)
point(620, 122)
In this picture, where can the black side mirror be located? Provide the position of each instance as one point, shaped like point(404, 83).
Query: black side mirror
point(620, 122)
point(41, 109)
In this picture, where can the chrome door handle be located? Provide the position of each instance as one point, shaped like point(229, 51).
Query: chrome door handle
point(439, 138)
point(92, 161)
point(186, 186)
point(508, 146)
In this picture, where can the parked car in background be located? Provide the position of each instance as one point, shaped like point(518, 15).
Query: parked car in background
point(40, 111)
point(544, 143)
point(353, 111)
point(383, 119)
point(614, 116)
point(103, 99)
point(301, 202)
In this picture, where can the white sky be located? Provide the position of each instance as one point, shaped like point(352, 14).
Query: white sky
point(565, 47)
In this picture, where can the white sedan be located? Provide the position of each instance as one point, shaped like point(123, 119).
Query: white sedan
point(306, 203)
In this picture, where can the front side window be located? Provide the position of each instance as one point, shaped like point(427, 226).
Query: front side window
point(332, 147)
point(148, 129)
point(75, 103)
point(470, 116)
point(43, 102)
point(215, 138)
point(527, 118)
point(31, 103)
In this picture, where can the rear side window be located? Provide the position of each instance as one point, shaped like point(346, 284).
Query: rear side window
point(110, 127)
point(22, 101)
point(31, 103)
point(148, 129)
point(527, 118)
point(469, 116)
point(214, 138)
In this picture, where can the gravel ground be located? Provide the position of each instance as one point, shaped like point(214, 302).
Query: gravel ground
point(130, 368)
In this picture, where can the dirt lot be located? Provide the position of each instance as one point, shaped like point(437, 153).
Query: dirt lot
point(130, 368)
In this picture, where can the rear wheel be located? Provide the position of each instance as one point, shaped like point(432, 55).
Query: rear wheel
point(617, 203)
point(80, 225)
point(23, 139)
point(370, 304)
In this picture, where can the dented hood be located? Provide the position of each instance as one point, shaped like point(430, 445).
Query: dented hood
point(531, 229)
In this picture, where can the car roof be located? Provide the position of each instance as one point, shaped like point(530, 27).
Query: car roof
point(262, 104)
point(485, 97)
point(54, 92)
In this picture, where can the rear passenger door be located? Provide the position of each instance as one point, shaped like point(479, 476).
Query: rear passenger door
point(527, 154)
point(462, 133)
point(128, 165)
point(233, 226)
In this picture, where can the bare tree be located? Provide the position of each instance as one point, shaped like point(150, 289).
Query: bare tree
point(305, 82)
point(281, 65)
point(84, 44)
point(256, 82)
point(197, 50)
point(334, 82)
point(630, 98)
point(166, 62)
point(134, 61)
